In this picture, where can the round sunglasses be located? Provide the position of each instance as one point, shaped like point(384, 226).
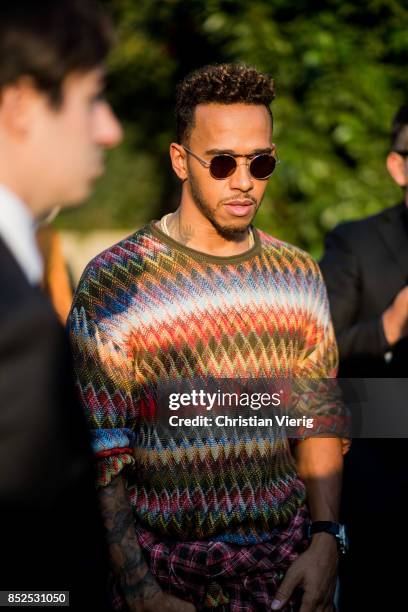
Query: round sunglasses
point(224, 165)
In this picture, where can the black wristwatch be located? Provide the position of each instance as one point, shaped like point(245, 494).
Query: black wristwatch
point(335, 529)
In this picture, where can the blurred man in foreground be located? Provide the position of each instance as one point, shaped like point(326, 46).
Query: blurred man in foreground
point(207, 521)
point(54, 125)
point(365, 266)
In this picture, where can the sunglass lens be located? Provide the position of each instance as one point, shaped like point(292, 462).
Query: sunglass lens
point(262, 166)
point(222, 166)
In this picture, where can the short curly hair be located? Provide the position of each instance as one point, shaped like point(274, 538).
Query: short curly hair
point(222, 84)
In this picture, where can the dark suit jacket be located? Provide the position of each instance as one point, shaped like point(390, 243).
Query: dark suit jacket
point(365, 265)
point(51, 535)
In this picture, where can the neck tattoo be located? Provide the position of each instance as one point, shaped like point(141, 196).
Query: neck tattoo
point(185, 234)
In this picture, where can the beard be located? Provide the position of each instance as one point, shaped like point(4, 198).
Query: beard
point(229, 232)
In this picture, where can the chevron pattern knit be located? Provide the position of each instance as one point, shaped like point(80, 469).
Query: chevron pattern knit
point(149, 309)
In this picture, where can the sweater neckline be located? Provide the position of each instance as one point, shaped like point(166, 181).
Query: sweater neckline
point(206, 257)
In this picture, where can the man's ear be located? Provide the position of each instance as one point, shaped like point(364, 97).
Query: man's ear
point(397, 167)
point(179, 160)
point(18, 102)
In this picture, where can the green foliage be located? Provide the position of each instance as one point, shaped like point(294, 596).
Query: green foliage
point(340, 74)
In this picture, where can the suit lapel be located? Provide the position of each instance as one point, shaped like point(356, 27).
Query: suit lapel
point(394, 234)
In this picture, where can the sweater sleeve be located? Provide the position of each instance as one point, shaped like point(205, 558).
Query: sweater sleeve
point(103, 360)
point(316, 392)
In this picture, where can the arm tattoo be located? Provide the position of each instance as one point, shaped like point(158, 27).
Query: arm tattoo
point(126, 555)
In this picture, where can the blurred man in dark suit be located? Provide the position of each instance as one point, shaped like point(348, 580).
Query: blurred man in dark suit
point(365, 266)
point(54, 125)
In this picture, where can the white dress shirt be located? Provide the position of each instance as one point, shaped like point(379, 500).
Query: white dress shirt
point(17, 229)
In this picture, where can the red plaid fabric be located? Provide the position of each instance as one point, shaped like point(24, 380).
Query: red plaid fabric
point(213, 574)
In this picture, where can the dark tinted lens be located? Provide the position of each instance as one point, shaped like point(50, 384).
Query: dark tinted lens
point(222, 166)
point(262, 166)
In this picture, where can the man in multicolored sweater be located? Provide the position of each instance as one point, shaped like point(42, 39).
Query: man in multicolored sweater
point(207, 522)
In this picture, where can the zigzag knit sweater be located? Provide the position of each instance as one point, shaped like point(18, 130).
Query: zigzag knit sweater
point(149, 309)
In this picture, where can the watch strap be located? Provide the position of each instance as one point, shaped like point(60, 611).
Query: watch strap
point(335, 529)
point(327, 526)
